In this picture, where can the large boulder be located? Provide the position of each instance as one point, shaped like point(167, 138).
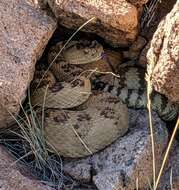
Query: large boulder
point(116, 20)
point(24, 33)
point(163, 56)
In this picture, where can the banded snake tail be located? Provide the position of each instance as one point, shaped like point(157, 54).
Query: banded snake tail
point(137, 98)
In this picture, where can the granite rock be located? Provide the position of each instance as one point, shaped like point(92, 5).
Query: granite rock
point(116, 20)
point(24, 33)
point(163, 56)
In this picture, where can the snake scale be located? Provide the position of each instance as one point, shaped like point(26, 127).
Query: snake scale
point(131, 89)
point(137, 99)
point(130, 83)
point(83, 118)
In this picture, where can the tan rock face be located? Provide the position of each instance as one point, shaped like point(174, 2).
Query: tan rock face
point(163, 56)
point(24, 32)
point(12, 179)
point(116, 20)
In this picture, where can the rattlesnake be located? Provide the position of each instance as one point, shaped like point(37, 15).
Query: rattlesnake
point(81, 132)
point(69, 133)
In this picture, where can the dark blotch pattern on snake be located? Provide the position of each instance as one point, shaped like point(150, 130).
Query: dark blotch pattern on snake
point(136, 96)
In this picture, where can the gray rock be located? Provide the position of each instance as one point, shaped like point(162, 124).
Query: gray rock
point(125, 161)
point(170, 177)
point(24, 33)
point(81, 172)
point(116, 20)
point(11, 177)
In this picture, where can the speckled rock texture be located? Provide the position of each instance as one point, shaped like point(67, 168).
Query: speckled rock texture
point(12, 178)
point(170, 178)
point(24, 33)
point(163, 56)
point(129, 158)
point(116, 20)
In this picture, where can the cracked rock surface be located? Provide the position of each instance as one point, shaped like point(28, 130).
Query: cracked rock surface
point(24, 33)
point(129, 158)
point(116, 20)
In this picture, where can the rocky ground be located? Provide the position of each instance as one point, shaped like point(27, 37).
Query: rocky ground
point(140, 32)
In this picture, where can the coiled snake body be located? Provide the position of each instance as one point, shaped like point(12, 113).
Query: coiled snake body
point(130, 87)
point(78, 121)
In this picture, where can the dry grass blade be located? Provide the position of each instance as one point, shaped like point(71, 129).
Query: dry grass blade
point(149, 106)
point(34, 144)
point(167, 152)
point(171, 179)
point(82, 142)
point(149, 12)
point(94, 71)
point(137, 184)
point(150, 185)
point(43, 107)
